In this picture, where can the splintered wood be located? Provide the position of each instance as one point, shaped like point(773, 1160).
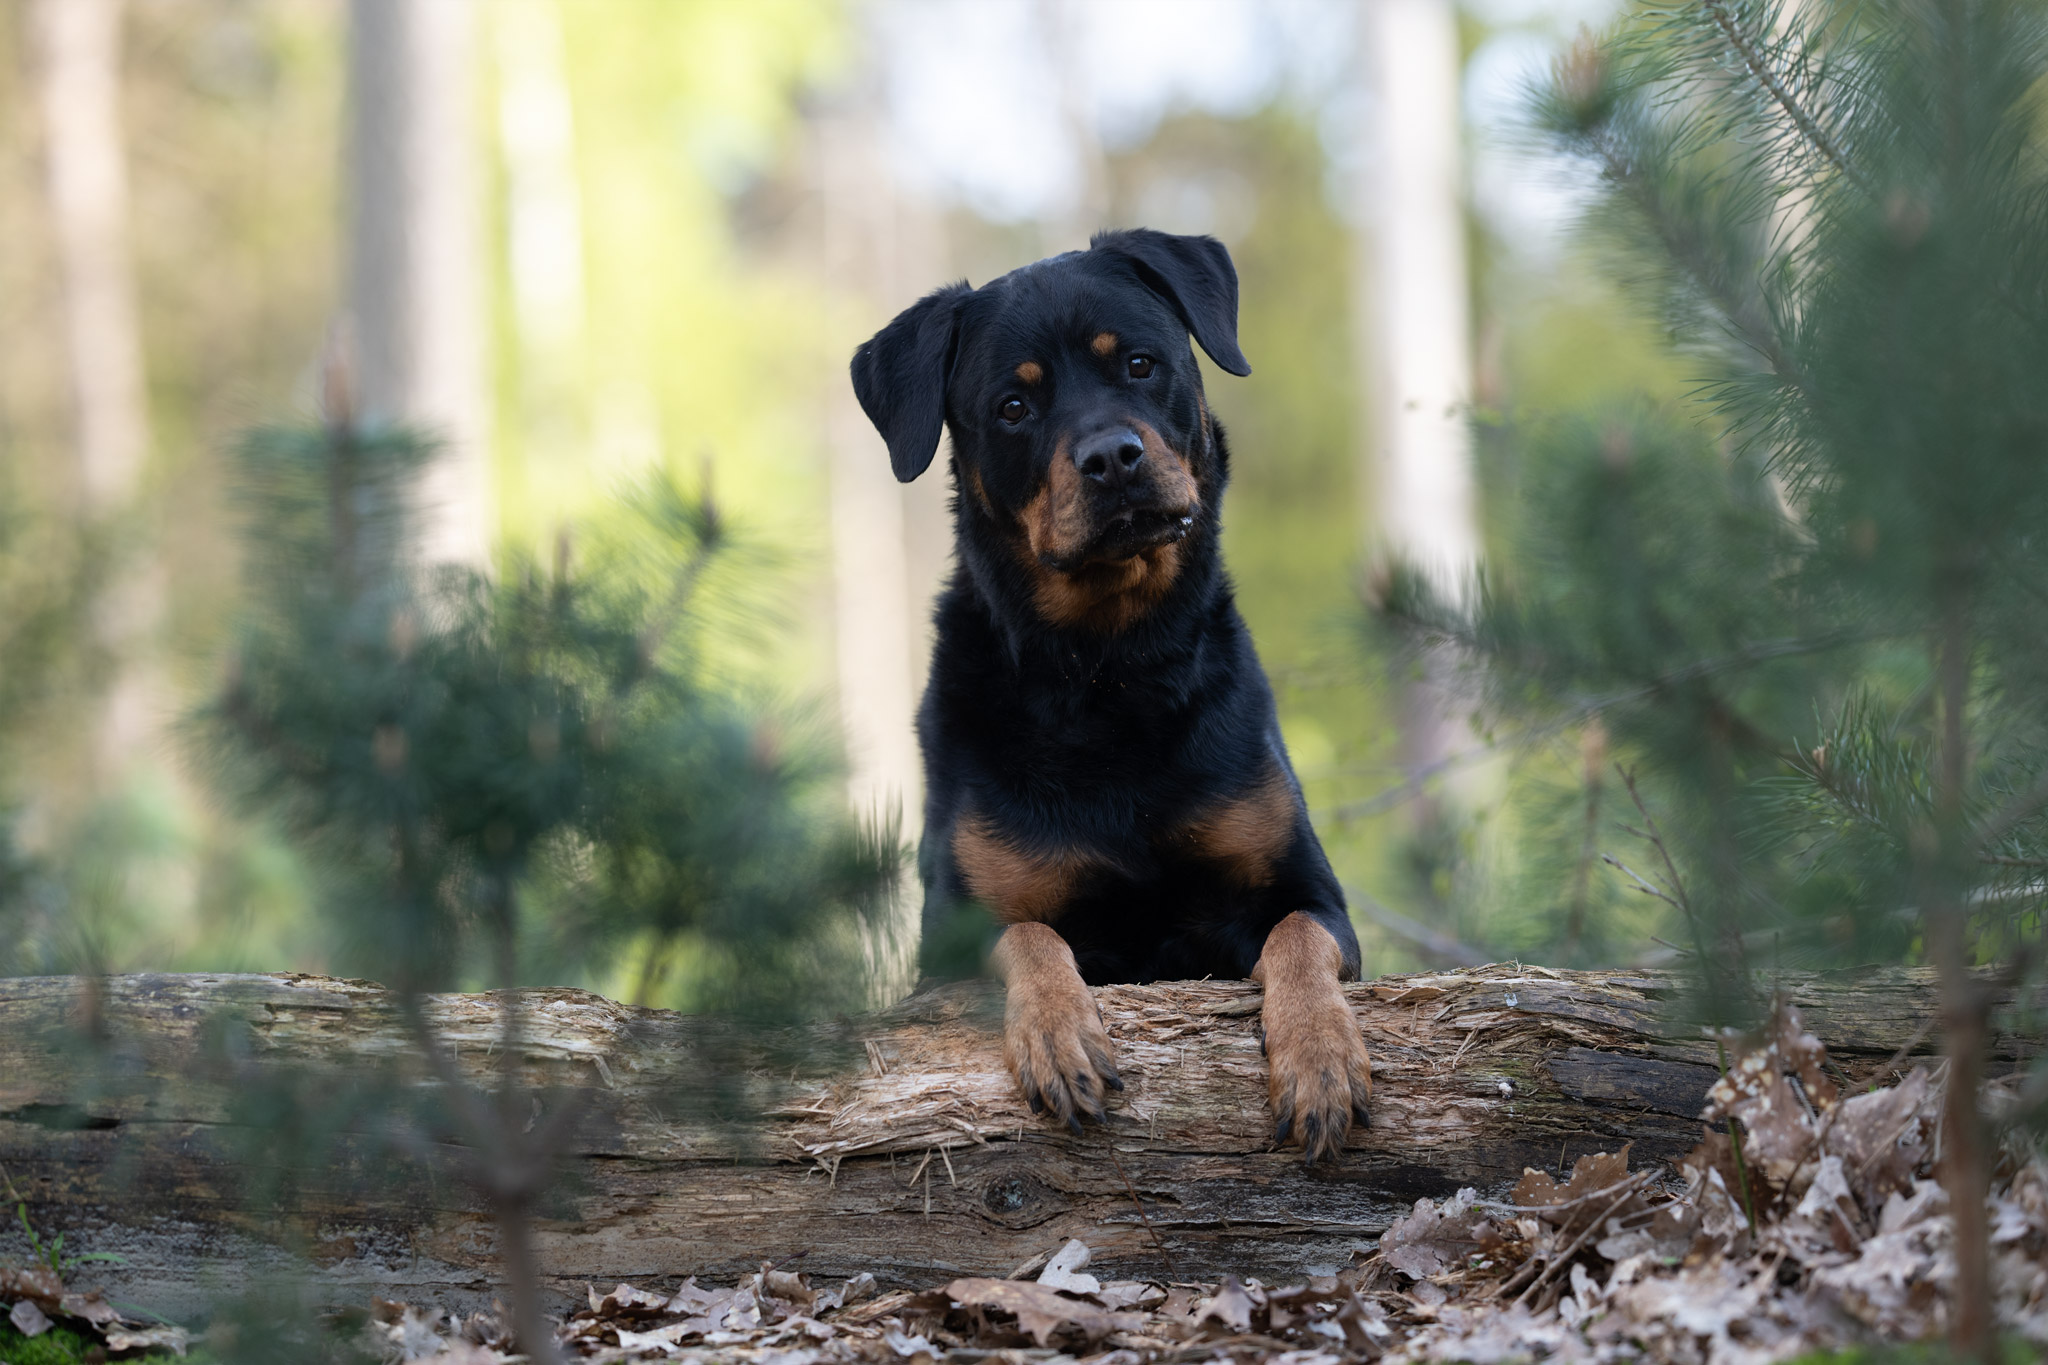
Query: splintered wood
point(132, 1114)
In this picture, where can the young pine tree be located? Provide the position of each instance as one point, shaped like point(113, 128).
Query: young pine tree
point(1812, 610)
point(474, 765)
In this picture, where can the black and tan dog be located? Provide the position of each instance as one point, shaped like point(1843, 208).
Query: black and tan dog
point(1107, 795)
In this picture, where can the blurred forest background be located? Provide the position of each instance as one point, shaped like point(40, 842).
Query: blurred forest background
point(645, 235)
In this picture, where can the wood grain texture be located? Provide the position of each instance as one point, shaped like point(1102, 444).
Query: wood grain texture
point(122, 1121)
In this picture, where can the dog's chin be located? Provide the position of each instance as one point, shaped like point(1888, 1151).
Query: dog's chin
point(1131, 532)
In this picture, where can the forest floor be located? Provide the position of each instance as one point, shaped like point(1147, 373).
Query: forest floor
point(1822, 1229)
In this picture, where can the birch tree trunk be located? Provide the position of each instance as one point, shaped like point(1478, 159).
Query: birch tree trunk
point(1416, 314)
point(879, 250)
point(79, 48)
point(415, 284)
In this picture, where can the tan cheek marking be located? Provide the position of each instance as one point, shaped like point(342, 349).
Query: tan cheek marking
point(1016, 886)
point(980, 493)
point(1030, 372)
point(1171, 475)
point(1104, 343)
point(1055, 521)
point(1249, 833)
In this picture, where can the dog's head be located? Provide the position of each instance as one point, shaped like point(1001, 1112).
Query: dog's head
point(1080, 434)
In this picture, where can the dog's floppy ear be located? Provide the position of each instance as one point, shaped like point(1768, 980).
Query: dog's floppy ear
point(1195, 275)
point(899, 375)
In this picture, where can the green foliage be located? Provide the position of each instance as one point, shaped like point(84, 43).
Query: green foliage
point(1806, 609)
point(58, 1346)
point(51, 1253)
point(477, 765)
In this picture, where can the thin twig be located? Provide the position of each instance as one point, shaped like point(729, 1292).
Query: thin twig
point(1495, 1207)
point(1647, 887)
point(1630, 1187)
point(1656, 837)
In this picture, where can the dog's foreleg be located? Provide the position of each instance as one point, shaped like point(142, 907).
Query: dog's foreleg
point(1319, 1073)
point(1053, 1039)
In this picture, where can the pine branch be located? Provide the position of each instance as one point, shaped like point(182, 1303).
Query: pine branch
point(1753, 59)
point(1685, 250)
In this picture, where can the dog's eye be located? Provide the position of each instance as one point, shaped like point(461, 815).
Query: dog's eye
point(1012, 410)
point(1141, 367)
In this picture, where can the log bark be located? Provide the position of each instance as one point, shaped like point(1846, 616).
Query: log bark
point(130, 1108)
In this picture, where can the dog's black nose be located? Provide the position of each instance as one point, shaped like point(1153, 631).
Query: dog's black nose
point(1110, 457)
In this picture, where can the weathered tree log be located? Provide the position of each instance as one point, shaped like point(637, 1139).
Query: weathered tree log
point(125, 1124)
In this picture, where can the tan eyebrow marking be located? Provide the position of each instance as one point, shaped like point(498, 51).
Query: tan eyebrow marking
point(1104, 343)
point(1030, 372)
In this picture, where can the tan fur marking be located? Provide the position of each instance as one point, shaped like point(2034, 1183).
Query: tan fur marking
point(1249, 833)
point(1016, 886)
point(1030, 372)
point(1105, 597)
point(1056, 520)
point(1171, 476)
point(980, 493)
point(1319, 1072)
point(1104, 343)
point(1110, 595)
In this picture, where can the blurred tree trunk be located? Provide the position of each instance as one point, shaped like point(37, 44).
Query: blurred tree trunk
point(79, 51)
point(415, 284)
point(1415, 313)
point(1059, 23)
point(879, 249)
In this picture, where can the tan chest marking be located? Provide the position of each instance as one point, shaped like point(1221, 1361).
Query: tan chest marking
point(1017, 886)
point(1249, 833)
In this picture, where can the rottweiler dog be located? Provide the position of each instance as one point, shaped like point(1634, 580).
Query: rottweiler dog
point(1107, 798)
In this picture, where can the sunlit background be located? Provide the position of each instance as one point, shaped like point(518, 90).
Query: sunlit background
point(583, 238)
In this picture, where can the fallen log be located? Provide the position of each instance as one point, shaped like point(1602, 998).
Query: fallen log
point(126, 1124)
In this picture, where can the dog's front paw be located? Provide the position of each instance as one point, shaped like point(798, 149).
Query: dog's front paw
point(1053, 1039)
point(1319, 1073)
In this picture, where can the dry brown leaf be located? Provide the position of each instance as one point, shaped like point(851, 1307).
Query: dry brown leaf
point(1063, 1271)
point(1117, 1295)
point(1665, 1233)
point(160, 1338)
point(1231, 1305)
point(31, 1282)
point(1431, 1240)
point(92, 1308)
point(1042, 1314)
point(1882, 1138)
point(786, 1285)
point(1779, 1128)
point(628, 1302)
point(28, 1319)
point(1575, 1203)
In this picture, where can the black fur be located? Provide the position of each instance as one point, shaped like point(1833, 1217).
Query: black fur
point(1068, 739)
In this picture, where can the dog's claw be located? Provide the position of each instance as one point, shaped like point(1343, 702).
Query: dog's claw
point(1114, 1082)
point(1361, 1116)
point(1074, 1123)
point(1282, 1129)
